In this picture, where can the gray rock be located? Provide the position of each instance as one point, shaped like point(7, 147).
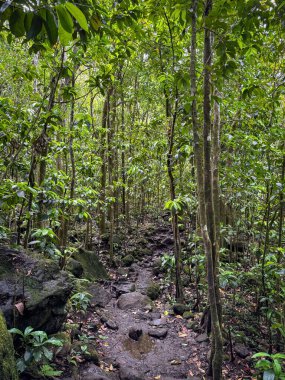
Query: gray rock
point(132, 300)
point(202, 338)
point(100, 296)
point(112, 325)
point(168, 241)
point(158, 333)
point(75, 267)
point(135, 333)
point(158, 322)
point(155, 315)
point(46, 291)
point(180, 308)
point(93, 372)
point(124, 288)
point(242, 351)
point(130, 374)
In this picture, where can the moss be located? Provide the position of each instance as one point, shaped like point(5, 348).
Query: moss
point(188, 315)
point(128, 260)
point(93, 269)
point(153, 291)
point(8, 370)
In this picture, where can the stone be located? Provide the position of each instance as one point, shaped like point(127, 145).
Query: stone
point(75, 267)
point(202, 338)
point(93, 269)
point(158, 322)
point(124, 288)
point(112, 325)
point(93, 372)
point(130, 374)
point(133, 300)
point(128, 260)
point(100, 296)
point(8, 369)
point(153, 291)
point(90, 354)
point(168, 241)
point(188, 315)
point(242, 351)
point(158, 333)
point(46, 291)
point(180, 308)
point(135, 333)
point(155, 315)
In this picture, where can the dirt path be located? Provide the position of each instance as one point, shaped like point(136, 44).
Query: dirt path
point(140, 339)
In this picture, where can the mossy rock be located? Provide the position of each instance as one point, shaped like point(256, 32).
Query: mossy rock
point(128, 260)
point(8, 369)
point(93, 269)
point(87, 351)
point(153, 291)
point(179, 308)
point(65, 337)
point(188, 315)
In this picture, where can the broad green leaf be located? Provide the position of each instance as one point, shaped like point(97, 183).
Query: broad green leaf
point(260, 354)
point(78, 15)
point(64, 18)
point(51, 28)
point(36, 27)
point(64, 36)
point(16, 23)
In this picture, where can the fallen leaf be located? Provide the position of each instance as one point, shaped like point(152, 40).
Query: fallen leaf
point(182, 335)
point(175, 362)
point(20, 307)
point(179, 317)
point(157, 377)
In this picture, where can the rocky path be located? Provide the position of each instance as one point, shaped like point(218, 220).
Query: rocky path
point(140, 339)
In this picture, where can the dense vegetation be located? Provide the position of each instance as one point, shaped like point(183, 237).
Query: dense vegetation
point(112, 112)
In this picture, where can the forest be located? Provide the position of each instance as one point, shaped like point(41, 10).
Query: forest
point(142, 176)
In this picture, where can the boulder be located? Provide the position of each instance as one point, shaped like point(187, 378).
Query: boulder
point(158, 333)
point(133, 300)
point(128, 260)
point(242, 351)
point(33, 291)
point(179, 308)
point(153, 291)
point(93, 269)
point(100, 296)
point(8, 370)
point(75, 267)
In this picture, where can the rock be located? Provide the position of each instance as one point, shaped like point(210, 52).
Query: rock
point(153, 291)
point(158, 322)
point(93, 269)
point(133, 300)
point(128, 260)
point(100, 296)
point(130, 374)
point(93, 372)
point(180, 308)
point(202, 338)
point(75, 267)
point(46, 291)
point(242, 351)
point(168, 241)
point(155, 315)
point(195, 326)
point(8, 369)
point(124, 288)
point(122, 271)
point(158, 333)
point(188, 315)
point(65, 337)
point(89, 354)
point(112, 325)
point(135, 333)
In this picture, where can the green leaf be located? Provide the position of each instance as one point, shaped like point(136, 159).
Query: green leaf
point(16, 23)
point(64, 18)
point(64, 36)
point(36, 27)
point(51, 28)
point(260, 354)
point(78, 15)
point(16, 331)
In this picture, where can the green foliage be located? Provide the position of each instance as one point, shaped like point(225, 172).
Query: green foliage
point(80, 301)
point(270, 365)
point(38, 351)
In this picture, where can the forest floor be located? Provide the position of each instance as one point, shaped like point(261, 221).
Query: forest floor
point(137, 340)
